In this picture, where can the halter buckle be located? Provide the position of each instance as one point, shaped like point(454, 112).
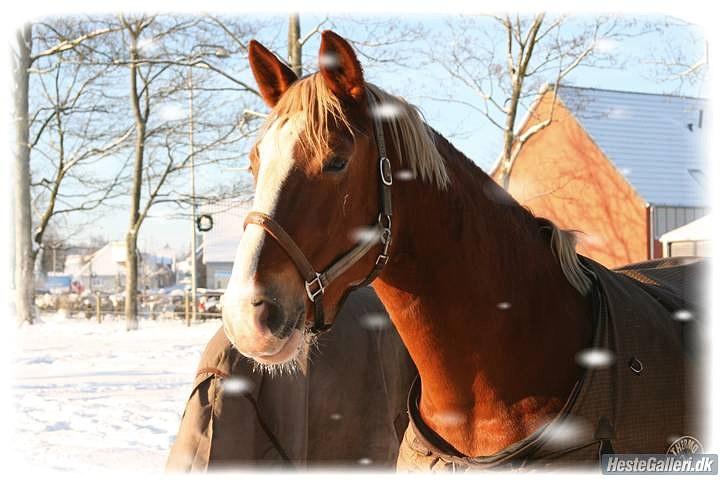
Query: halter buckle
point(382, 260)
point(318, 291)
point(385, 171)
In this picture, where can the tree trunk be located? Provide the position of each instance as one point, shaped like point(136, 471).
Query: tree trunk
point(132, 271)
point(24, 261)
point(518, 75)
point(132, 278)
point(294, 44)
point(509, 132)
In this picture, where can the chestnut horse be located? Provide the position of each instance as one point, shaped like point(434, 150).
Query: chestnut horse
point(491, 302)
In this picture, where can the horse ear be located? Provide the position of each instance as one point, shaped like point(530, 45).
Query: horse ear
point(340, 67)
point(272, 75)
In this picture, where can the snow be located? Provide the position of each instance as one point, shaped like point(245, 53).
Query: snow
point(236, 385)
point(374, 320)
point(94, 397)
point(568, 432)
point(364, 234)
point(329, 60)
point(404, 175)
point(595, 358)
point(682, 315)
point(387, 111)
point(449, 418)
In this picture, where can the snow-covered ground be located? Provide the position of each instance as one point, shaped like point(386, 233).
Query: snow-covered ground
point(93, 396)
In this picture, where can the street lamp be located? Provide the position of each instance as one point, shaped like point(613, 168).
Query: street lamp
point(221, 53)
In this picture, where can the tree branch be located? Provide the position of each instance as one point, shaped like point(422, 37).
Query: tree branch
point(70, 44)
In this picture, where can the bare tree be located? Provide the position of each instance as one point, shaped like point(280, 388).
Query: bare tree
point(134, 90)
point(23, 246)
point(378, 41)
point(680, 59)
point(505, 60)
point(162, 54)
point(295, 44)
point(24, 60)
point(80, 118)
point(72, 134)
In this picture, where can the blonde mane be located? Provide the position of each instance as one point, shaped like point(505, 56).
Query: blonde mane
point(412, 140)
point(563, 246)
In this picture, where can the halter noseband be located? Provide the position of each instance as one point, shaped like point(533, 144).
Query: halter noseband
point(316, 283)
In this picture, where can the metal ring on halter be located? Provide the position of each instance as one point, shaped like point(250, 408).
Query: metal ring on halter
point(388, 225)
point(385, 171)
point(316, 285)
point(319, 291)
point(386, 236)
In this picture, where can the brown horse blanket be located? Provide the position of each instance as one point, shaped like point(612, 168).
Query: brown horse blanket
point(347, 410)
point(647, 317)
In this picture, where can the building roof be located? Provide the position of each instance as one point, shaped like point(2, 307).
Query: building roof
point(655, 141)
point(109, 260)
point(221, 243)
point(698, 230)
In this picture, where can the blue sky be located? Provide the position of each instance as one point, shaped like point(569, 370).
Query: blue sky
point(466, 128)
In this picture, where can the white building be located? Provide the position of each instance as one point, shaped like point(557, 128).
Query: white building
point(693, 239)
point(105, 270)
point(221, 242)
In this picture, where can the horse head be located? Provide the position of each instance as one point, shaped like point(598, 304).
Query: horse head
point(315, 172)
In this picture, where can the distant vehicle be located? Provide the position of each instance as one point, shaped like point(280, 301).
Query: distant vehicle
point(209, 302)
point(57, 284)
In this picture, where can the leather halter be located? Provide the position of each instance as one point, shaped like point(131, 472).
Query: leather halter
point(315, 283)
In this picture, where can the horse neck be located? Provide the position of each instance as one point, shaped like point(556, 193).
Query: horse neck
point(483, 308)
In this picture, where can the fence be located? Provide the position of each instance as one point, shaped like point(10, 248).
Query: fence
point(99, 305)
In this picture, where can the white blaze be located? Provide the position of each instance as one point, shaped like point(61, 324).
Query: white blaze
point(275, 153)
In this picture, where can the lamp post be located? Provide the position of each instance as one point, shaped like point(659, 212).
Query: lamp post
point(193, 248)
point(221, 53)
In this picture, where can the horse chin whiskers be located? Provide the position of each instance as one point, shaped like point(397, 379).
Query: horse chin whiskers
point(298, 363)
point(290, 367)
point(312, 344)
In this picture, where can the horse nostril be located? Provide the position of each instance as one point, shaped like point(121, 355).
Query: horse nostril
point(268, 314)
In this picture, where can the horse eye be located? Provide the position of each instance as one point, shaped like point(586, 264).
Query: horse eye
point(335, 164)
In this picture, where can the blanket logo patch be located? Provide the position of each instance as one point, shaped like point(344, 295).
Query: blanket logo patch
point(685, 445)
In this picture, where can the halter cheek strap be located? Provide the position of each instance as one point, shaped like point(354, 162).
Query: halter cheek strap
point(315, 283)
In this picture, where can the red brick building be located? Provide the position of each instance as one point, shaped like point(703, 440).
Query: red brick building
point(623, 168)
